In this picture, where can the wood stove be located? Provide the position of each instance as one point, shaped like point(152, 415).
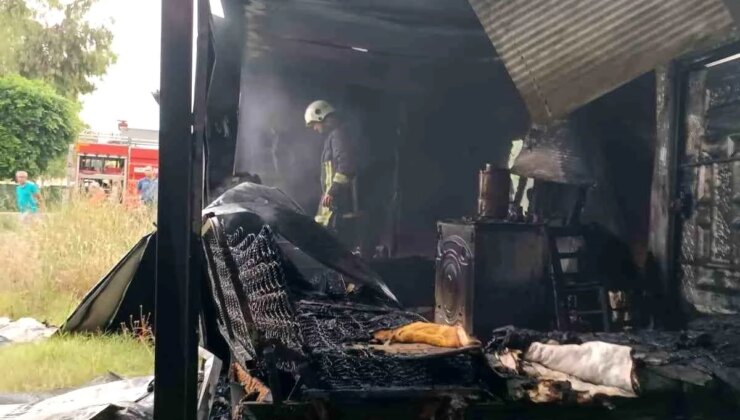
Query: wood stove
point(491, 273)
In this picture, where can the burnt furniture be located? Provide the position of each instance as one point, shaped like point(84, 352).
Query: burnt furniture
point(491, 273)
point(306, 341)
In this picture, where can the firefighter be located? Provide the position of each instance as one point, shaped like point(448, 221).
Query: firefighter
point(338, 170)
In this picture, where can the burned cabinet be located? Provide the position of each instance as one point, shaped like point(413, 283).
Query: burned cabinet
point(491, 274)
point(708, 202)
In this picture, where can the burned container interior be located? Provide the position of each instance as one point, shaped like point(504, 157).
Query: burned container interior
point(422, 109)
point(591, 239)
point(428, 113)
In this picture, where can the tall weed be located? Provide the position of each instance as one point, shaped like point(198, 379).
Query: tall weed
point(49, 263)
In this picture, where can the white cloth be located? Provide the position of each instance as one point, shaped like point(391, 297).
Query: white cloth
point(536, 370)
point(594, 362)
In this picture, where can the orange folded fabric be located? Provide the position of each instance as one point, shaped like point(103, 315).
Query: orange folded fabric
point(427, 333)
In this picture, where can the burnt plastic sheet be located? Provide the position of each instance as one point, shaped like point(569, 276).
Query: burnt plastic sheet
point(252, 197)
point(510, 337)
point(123, 294)
point(248, 206)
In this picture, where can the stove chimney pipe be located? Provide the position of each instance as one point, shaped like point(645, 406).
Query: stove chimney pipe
point(494, 185)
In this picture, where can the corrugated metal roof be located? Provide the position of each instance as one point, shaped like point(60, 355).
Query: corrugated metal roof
point(562, 54)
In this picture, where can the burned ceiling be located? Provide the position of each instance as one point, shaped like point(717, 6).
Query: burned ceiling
point(560, 54)
point(379, 43)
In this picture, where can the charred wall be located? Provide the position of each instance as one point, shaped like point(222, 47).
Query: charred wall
point(619, 132)
point(424, 144)
point(451, 134)
point(440, 138)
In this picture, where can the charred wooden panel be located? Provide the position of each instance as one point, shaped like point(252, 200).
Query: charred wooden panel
point(710, 186)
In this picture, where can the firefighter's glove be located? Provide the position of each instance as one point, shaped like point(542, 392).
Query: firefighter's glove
point(327, 200)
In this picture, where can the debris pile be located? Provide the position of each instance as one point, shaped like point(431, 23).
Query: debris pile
point(304, 318)
point(585, 368)
point(308, 325)
point(551, 372)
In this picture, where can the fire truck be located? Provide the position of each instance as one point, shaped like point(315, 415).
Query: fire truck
point(114, 161)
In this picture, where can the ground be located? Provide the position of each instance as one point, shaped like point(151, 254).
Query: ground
point(68, 361)
point(45, 269)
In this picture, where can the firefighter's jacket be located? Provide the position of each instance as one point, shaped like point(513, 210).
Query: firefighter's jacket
point(338, 169)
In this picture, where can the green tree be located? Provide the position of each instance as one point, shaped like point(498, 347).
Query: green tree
point(66, 53)
point(15, 18)
point(36, 125)
point(56, 168)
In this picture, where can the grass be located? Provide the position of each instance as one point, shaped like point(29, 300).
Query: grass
point(46, 267)
point(9, 222)
point(71, 360)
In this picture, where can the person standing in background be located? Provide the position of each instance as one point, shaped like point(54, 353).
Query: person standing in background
point(148, 187)
point(95, 193)
point(338, 170)
point(27, 195)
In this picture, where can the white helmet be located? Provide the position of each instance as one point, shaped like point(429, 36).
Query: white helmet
point(317, 111)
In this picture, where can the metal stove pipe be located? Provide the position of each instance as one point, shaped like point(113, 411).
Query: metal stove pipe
point(493, 192)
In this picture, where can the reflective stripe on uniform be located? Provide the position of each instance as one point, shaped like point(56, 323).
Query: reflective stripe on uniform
point(323, 215)
point(340, 178)
point(327, 176)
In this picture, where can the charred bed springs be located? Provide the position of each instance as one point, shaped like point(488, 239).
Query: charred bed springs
point(257, 307)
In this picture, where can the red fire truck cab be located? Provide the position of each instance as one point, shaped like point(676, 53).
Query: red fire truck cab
point(114, 162)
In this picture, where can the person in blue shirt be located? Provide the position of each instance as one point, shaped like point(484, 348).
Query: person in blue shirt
point(27, 195)
point(148, 187)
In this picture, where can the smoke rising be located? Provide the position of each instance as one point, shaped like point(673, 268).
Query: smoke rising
point(273, 141)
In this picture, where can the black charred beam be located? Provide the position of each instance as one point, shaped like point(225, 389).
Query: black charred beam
point(223, 94)
point(662, 235)
point(178, 273)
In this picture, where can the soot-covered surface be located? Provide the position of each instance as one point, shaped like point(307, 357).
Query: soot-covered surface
point(704, 356)
point(321, 335)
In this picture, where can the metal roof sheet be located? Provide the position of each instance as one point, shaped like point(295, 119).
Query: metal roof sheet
point(563, 53)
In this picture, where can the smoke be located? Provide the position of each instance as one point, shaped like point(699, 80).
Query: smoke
point(273, 141)
point(447, 136)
